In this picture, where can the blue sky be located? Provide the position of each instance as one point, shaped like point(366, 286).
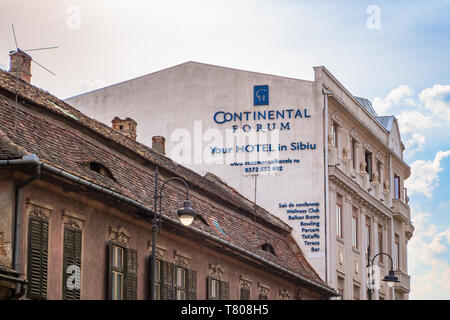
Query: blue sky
point(402, 66)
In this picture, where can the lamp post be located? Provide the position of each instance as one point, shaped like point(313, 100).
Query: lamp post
point(390, 279)
point(186, 215)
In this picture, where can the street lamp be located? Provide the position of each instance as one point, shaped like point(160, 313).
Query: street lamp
point(390, 279)
point(186, 215)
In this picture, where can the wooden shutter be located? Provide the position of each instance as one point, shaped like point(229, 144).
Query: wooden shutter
point(245, 294)
point(191, 285)
point(168, 278)
point(72, 257)
point(224, 290)
point(37, 258)
point(208, 288)
point(110, 265)
point(131, 275)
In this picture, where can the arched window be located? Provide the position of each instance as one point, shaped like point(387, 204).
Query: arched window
point(101, 169)
point(268, 248)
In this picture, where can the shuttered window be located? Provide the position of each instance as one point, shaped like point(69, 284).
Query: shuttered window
point(174, 282)
point(245, 294)
point(122, 273)
point(37, 258)
point(72, 264)
point(217, 290)
point(262, 297)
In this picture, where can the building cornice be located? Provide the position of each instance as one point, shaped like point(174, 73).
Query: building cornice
point(363, 197)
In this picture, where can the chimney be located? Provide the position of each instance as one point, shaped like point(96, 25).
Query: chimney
point(126, 127)
point(159, 144)
point(20, 65)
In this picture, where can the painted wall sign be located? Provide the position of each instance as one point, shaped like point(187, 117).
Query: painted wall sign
point(261, 95)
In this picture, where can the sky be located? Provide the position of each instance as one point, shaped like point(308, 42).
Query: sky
point(395, 53)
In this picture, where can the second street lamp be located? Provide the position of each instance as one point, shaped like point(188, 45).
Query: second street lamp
point(186, 215)
point(390, 279)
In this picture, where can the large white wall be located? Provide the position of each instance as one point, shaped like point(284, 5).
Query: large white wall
point(188, 95)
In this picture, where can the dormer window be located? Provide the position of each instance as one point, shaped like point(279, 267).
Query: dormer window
point(267, 247)
point(101, 169)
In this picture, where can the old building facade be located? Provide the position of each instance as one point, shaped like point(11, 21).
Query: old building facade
point(338, 168)
point(77, 208)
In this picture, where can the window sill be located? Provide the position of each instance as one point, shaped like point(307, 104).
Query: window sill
point(356, 250)
point(339, 239)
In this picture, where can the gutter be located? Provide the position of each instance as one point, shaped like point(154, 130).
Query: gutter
point(34, 160)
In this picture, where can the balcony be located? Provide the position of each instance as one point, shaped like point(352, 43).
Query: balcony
point(409, 230)
point(401, 210)
point(404, 285)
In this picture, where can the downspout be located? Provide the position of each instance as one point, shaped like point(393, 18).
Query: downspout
point(18, 209)
point(325, 93)
point(33, 159)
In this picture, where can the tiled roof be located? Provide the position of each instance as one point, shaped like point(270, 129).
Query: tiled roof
point(62, 142)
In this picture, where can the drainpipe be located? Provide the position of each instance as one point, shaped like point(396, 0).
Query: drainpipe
point(29, 159)
point(326, 93)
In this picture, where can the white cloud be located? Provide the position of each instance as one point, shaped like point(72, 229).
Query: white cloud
point(437, 100)
point(430, 274)
point(399, 96)
point(424, 175)
point(414, 144)
point(413, 121)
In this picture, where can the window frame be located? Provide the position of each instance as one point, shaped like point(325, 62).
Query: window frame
point(117, 272)
point(339, 220)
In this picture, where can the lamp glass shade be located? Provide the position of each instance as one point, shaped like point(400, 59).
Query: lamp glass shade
point(186, 214)
point(391, 279)
point(186, 220)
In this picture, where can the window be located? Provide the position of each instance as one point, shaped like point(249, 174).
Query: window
point(341, 286)
point(101, 169)
point(37, 258)
point(181, 283)
point(354, 154)
point(122, 273)
point(339, 229)
point(268, 248)
point(218, 290)
point(174, 282)
point(396, 256)
point(355, 231)
point(368, 158)
point(158, 280)
point(117, 273)
point(72, 264)
point(356, 292)
point(396, 186)
point(245, 294)
point(380, 242)
point(334, 138)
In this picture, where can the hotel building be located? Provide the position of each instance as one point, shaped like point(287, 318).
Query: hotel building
point(328, 165)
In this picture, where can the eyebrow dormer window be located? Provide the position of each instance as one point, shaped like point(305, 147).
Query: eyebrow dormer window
point(268, 248)
point(101, 169)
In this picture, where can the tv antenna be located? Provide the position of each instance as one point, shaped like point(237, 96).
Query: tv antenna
point(33, 49)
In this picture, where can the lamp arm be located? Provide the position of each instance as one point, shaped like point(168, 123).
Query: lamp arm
point(172, 179)
point(383, 253)
point(162, 188)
